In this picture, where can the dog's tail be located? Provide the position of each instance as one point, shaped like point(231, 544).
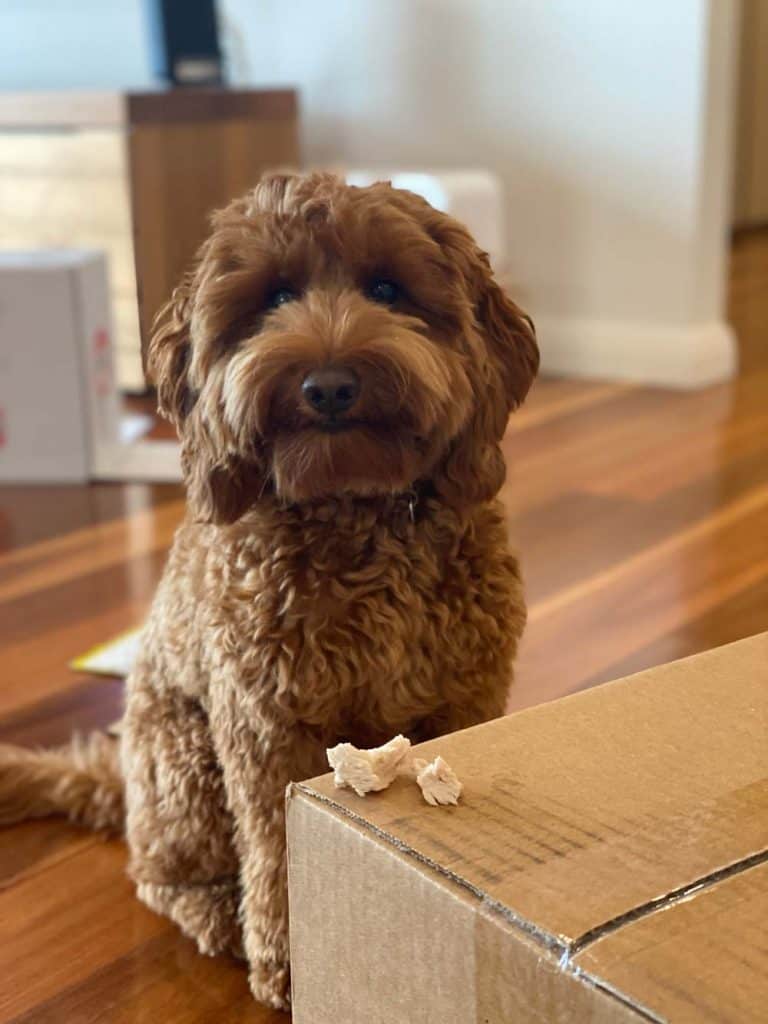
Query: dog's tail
point(81, 780)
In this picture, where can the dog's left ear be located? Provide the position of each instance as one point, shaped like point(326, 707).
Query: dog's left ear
point(501, 373)
point(509, 335)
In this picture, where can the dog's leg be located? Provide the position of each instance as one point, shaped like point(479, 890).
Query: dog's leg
point(178, 827)
point(260, 756)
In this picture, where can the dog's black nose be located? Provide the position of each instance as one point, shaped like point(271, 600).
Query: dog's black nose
point(331, 390)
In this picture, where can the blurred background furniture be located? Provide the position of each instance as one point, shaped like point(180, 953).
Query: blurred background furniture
point(135, 174)
point(751, 163)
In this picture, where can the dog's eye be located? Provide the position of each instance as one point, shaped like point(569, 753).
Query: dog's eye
point(280, 297)
point(383, 291)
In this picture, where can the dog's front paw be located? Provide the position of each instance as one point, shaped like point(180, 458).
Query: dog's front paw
point(271, 983)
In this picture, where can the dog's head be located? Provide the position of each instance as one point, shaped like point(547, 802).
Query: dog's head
point(338, 340)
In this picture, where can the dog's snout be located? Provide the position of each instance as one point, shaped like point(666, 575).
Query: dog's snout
point(332, 390)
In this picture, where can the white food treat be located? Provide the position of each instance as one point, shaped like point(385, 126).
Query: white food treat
point(438, 782)
point(367, 771)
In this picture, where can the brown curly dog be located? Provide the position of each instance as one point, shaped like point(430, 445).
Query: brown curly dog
point(340, 365)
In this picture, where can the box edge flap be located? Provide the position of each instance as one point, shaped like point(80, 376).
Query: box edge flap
point(669, 899)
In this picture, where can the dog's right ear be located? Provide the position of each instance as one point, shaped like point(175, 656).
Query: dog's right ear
point(168, 353)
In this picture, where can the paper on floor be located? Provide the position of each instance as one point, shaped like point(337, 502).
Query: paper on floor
point(114, 658)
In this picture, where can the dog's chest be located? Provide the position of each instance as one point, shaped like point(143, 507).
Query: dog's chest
point(371, 625)
point(336, 624)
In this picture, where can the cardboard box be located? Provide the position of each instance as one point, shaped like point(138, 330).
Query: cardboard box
point(58, 397)
point(608, 862)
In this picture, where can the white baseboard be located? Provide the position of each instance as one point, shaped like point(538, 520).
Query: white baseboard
point(670, 355)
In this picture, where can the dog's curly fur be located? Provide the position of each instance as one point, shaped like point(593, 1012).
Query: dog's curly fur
point(326, 584)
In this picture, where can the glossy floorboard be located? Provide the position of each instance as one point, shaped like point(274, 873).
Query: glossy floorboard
point(641, 516)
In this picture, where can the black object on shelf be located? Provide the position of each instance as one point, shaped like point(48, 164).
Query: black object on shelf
point(185, 41)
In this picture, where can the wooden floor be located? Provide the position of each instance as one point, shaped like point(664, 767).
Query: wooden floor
point(642, 519)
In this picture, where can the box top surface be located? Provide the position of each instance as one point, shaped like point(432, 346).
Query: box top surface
point(579, 815)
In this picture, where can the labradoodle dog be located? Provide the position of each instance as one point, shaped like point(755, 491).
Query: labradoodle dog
point(340, 365)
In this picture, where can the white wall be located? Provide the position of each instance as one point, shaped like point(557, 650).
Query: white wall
point(73, 44)
point(598, 116)
point(608, 121)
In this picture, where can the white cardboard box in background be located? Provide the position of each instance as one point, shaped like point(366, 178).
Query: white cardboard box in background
point(60, 409)
point(57, 389)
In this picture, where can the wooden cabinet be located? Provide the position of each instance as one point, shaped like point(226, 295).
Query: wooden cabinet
point(751, 170)
point(135, 175)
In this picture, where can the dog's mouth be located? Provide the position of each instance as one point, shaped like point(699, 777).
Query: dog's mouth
point(333, 426)
point(331, 455)
point(374, 430)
